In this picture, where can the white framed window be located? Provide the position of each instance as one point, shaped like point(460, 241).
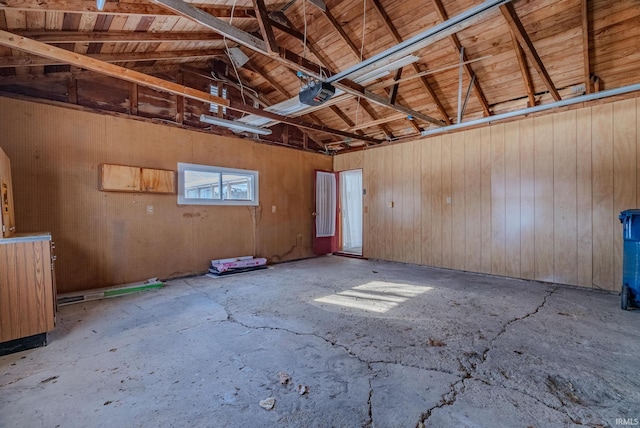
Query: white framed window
point(214, 185)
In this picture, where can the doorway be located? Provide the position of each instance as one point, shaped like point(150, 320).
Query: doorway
point(351, 212)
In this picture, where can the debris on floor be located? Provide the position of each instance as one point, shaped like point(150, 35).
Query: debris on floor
point(436, 342)
point(103, 293)
point(284, 378)
point(237, 265)
point(268, 403)
point(303, 389)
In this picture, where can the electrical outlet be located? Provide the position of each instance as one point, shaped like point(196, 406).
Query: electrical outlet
point(149, 209)
point(273, 208)
point(448, 199)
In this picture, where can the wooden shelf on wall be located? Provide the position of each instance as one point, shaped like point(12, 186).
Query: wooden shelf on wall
point(122, 178)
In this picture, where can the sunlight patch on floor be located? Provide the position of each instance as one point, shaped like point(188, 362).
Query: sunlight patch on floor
point(375, 296)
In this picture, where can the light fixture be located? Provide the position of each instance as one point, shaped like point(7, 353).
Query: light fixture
point(100, 4)
point(380, 69)
point(234, 125)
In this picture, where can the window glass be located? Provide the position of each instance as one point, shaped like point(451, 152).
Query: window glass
point(211, 185)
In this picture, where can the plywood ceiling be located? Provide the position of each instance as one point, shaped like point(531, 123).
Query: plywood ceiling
point(520, 54)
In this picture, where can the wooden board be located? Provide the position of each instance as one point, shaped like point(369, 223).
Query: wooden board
point(512, 199)
point(527, 200)
point(498, 201)
point(565, 251)
point(543, 176)
point(602, 202)
point(120, 178)
point(26, 290)
point(157, 181)
point(7, 217)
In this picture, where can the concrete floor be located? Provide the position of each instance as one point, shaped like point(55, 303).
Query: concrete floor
point(378, 344)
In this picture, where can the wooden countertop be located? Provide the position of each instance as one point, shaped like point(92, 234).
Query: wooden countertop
point(27, 237)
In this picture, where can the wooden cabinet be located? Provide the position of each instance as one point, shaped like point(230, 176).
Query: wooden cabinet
point(27, 291)
point(7, 222)
point(121, 178)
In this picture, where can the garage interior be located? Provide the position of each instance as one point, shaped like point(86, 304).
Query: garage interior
point(498, 142)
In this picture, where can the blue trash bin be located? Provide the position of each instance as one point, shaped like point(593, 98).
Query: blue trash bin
point(630, 295)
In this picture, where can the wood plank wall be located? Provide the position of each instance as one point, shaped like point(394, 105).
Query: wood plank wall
point(537, 198)
point(108, 238)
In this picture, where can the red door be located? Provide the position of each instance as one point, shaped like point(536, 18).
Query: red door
point(325, 236)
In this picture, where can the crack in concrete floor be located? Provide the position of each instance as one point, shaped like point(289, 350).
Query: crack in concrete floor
point(450, 397)
point(388, 356)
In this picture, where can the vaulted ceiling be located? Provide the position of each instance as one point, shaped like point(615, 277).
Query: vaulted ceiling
point(400, 68)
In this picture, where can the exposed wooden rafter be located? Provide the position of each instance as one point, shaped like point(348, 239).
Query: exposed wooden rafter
point(265, 26)
point(286, 57)
point(287, 27)
point(524, 70)
point(281, 89)
point(343, 35)
point(585, 45)
point(35, 60)
point(17, 42)
point(425, 83)
point(516, 26)
point(117, 36)
point(120, 8)
point(467, 66)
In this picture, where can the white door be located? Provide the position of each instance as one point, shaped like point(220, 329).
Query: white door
point(351, 211)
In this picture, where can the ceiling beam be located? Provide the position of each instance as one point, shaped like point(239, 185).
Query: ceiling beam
point(585, 45)
point(205, 74)
point(393, 93)
point(265, 27)
point(281, 89)
point(467, 66)
point(359, 55)
point(17, 42)
point(119, 8)
point(371, 112)
point(516, 26)
point(117, 36)
point(37, 60)
point(287, 27)
point(286, 57)
point(216, 24)
point(343, 34)
point(524, 70)
point(281, 22)
point(376, 122)
point(425, 83)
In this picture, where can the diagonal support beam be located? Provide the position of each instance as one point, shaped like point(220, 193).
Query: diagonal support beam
point(425, 83)
point(524, 69)
point(36, 60)
point(287, 26)
point(117, 36)
point(17, 42)
point(467, 66)
point(585, 45)
point(516, 26)
point(286, 57)
point(265, 27)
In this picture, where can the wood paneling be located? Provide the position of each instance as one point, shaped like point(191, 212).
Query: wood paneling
point(26, 289)
point(603, 215)
point(527, 200)
point(7, 219)
point(543, 175)
point(108, 238)
point(536, 198)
